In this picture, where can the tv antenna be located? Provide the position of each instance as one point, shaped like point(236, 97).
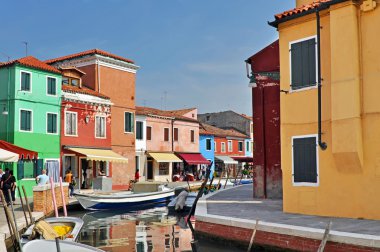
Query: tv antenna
point(9, 58)
point(26, 47)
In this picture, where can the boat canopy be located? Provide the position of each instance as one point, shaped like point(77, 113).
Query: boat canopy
point(162, 157)
point(7, 156)
point(193, 158)
point(226, 159)
point(100, 155)
point(243, 159)
point(23, 153)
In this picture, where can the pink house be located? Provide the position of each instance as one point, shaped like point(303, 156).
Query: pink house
point(167, 142)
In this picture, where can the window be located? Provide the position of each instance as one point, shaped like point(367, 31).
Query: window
point(137, 162)
point(51, 123)
point(240, 146)
point(208, 144)
point(139, 130)
point(100, 127)
point(303, 63)
point(128, 122)
point(223, 147)
point(305, 164)
point(192, 137)
point(51, 86)
point(71, 123)
point(26, 120)
point(68, 81)
point(229, 145)
point(247, 146)
point(166, 134)
point(214, 146)
point(207, 118)
point(175, 134)
point(26, 81)
point(163, 168)
point(148, 133)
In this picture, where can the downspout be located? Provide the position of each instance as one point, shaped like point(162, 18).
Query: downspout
point(172, 126)
point(321, 144)
point(8, 101)
point(98, 75)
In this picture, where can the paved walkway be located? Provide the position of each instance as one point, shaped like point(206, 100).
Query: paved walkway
point(238, 202)
point(235, 207)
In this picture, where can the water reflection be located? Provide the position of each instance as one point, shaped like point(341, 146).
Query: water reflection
point(141, 231)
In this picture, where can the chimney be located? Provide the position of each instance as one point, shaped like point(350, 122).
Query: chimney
point(303, 2)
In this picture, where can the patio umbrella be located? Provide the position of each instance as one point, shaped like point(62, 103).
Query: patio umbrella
point(7, 156)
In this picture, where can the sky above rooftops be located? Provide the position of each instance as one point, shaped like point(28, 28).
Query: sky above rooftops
point(191, 53)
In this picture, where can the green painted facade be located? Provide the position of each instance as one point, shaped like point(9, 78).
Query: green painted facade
point(40, 104)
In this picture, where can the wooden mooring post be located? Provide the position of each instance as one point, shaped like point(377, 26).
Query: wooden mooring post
point(325, 237)
point(253, 236)
point(27, 205)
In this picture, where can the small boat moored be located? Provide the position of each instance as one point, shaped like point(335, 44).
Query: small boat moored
point(66, 227)
point(124, 199)
point(64, 246)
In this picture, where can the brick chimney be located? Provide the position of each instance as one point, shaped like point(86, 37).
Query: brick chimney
point(303, 2)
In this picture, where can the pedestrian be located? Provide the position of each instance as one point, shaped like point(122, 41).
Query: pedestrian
point(6, 185)
point(69, 179)
point(1, 173)
point(137, 175)
point(13, 187)
point(42, 179)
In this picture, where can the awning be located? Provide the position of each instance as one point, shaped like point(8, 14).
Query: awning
point(23, 153)
point(193, 158)
point(7, 156)
point(161, 157)
point(226, 159)
point(243, 159)
point(100, 155)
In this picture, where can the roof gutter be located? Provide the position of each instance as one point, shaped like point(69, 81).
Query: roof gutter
point(322, 6)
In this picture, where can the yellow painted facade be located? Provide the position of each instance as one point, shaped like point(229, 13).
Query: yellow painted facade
point(349, 169)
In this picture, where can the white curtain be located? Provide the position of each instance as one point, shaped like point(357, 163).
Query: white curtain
point(52, 169)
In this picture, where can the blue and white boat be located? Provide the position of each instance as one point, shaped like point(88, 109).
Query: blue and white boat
point(122, 200)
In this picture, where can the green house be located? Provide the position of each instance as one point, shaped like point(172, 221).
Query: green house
point(30, 116)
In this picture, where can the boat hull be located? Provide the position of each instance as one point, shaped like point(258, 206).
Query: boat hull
point(96, 202)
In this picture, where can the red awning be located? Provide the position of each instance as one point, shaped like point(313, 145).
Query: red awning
point(193, 158)
point(23, 153)
point(243, 159)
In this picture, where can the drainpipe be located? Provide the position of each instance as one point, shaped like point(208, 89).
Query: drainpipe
point(8, 101)
point(321, 144)
point(172, 126)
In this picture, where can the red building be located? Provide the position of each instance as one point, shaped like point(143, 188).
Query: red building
point(265, 83)
point(227, 144)
point(86, 133)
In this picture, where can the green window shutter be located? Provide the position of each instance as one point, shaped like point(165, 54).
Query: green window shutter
point(303, 64)
point(25, 120)
point(52, 123)
point(22, 120)
point(296, 64)
point(52, 86)
point(28, 120)
point(55, 123)
point(129, 122)
point(20, 169)
point(305, 160)
point(132, 123)
point(25, 81)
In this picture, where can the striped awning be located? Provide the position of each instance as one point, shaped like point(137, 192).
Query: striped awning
point(161, 157)
point(226, 159)
point(7, 156)
point(100, 155)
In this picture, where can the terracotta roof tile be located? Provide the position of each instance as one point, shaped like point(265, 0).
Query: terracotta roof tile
point(32, 62)
point(88, 52)
point(301, 9)
point(83, 90)
point(177, 114)
point(222, 132)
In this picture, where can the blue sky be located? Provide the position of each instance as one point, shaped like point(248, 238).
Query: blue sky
point(191, 52)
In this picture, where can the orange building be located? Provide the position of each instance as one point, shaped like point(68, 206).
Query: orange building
point(113, 76)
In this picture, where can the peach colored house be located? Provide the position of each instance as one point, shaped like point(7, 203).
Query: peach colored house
point(160, 135)
point(113, 76)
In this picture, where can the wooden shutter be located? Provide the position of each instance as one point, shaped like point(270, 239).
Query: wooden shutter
point(148, 133)
point(166, 134)
point(305, 160)
point(20, 170)
point(175, 134)
point(192, 136)
point(303, 64)
point(139, 130)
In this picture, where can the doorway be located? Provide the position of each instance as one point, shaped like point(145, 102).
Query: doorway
point(150, 169)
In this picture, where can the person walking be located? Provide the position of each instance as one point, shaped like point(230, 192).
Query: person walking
point(69, 179)
point(6, 185)
point(13, 187)
point(42, 179)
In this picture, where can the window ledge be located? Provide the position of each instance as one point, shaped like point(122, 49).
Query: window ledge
point(303, 89)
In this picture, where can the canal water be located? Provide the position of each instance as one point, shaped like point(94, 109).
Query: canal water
point(144, 230)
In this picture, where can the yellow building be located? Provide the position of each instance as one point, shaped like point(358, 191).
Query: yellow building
point(343, 179)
